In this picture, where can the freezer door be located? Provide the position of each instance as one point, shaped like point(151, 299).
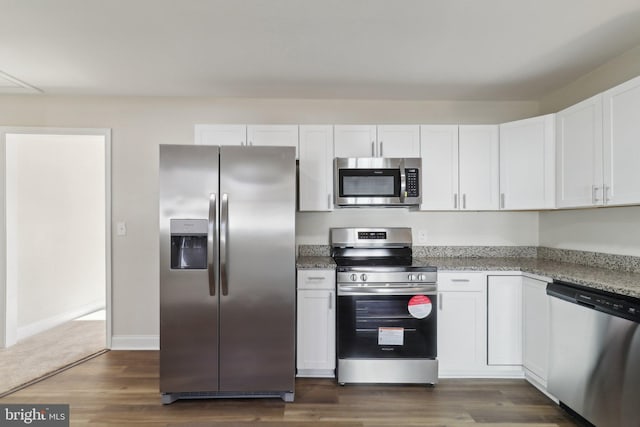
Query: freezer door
point(257, 268)
point(188, 295)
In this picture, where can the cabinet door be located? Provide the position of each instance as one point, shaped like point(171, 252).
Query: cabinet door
point(220, 134)
point(622, 144)
point(479, 168)
point(316, 332)
point(504, 320)
point(316, 168)
point(355, 141)
point(579, 154)
point(535, 327)
point(278, 135)
point(398, 141)
point(462, 338)
point(527, 163)
point(439, 150)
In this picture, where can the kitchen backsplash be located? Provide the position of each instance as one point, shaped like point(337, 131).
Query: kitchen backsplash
point(594, 259)
point(475, 251)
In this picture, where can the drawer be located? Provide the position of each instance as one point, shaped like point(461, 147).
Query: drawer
point(461, 281)
point(316, 279)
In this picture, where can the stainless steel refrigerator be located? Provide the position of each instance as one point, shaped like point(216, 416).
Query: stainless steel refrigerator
point(227, 272)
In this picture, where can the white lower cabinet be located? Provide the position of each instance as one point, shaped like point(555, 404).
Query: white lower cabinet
point(504, 320)
point(462, 338)
point(535, 317)
point(316, 324)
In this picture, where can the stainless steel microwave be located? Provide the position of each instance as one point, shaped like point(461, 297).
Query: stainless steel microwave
point(377, 181)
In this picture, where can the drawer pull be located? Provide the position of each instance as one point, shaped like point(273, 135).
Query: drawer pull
point(460, 280)
point(315, 278)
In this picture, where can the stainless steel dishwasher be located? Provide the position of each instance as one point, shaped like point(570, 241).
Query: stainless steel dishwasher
point(594, 355)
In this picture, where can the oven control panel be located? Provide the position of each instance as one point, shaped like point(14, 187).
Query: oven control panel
point(372, 235)
point(386, 276)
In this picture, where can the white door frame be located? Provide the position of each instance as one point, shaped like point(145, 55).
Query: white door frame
point(8, 311)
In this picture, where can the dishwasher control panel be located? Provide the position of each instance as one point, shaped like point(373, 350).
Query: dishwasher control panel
point(617, 305)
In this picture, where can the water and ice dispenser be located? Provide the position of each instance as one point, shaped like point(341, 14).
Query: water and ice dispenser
point(189, 244)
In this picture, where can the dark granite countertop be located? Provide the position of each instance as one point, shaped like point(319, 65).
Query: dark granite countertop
point(616, 281)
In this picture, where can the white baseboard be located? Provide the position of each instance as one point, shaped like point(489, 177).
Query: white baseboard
point(57, 320)
point(135, 342)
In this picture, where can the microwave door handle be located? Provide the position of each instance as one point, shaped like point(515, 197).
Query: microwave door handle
point(403, 182)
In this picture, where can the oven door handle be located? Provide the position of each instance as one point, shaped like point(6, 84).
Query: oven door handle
point(386, 290)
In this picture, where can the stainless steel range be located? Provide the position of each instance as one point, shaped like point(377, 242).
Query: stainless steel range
point(386, 319)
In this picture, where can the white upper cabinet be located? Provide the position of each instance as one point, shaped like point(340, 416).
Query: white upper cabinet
point(459, 167)
point(273, 135)
point(439, 148)
point(579, 154)
point(377, 141)
point(478, 167)
point(527, 163)
point(398, 141)
point(316, 168)
point(621, 108)
point(277, 135)
point(355, 140)
point(220, 134)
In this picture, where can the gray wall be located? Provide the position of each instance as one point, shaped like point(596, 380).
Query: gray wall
point(139, 125)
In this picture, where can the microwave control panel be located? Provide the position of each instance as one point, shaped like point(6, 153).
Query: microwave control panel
point(412, 182)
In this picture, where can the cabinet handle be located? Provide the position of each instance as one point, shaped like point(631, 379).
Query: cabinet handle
point(501, 200)
point(380, 149)
point(455, 200)
point(594, 194)
point(460, 280)
point(605, 194)
point(464, 201)
point(373, 149)
point(440, 299)
point(315, 278)
point(330, 300)
point(329, 201)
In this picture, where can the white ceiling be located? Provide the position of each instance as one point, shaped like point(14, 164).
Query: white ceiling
point(375, 49)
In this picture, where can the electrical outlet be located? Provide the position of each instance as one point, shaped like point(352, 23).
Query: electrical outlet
point(121, 228)
point(422, 236)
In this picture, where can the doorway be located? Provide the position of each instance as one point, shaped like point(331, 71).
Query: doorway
point(56, 260)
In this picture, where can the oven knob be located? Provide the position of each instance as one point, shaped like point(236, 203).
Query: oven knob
point(354, 277)
point(363, 277)
point(421, 277)
point(412, 277)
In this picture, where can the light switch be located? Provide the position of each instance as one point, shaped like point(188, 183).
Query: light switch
point(121, 228)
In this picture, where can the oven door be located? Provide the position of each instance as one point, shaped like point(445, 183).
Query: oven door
point(385, 325)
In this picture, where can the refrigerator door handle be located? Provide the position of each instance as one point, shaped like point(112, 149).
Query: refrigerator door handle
point(224, 241)
point(212, 236)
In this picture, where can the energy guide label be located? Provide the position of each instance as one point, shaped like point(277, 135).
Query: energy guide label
point(420, 306)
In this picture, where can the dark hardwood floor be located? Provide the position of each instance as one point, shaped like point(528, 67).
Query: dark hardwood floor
point(121, 388)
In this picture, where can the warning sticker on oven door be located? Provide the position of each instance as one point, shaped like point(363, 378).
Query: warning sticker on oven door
point(420, 306)
point(390, 336)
